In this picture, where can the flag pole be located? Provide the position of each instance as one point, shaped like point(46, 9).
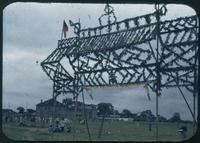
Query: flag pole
point(62, 31)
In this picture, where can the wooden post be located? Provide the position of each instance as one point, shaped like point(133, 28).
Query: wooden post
point(54, 108)
point(74, 120)
point(86, 117)
point(76, 87)
point(195, 85)
point(194, 110)
point(76, 93)
point(157, 119)
point(101, 126)
point(157, 67)
point(61, 37)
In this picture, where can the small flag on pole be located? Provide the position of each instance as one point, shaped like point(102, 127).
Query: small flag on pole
point(65, 29)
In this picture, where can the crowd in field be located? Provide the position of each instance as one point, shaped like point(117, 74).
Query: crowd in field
point(65, 125)
point(60, 126)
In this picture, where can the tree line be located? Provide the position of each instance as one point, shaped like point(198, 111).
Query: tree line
point(107, 110)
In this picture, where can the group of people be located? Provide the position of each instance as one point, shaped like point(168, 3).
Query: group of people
point(60, 126)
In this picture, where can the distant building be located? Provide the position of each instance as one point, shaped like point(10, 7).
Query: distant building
point(49, 109)
point(8, 115)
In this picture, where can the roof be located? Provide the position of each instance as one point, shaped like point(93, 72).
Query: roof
point(8, 111)
point(50, 102)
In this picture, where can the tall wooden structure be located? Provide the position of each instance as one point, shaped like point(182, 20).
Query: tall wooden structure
point(143, 49)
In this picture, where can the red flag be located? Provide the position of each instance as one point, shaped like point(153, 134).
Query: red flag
point(65, 28)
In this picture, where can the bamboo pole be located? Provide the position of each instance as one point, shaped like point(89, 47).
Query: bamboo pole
point(86, 117)
point(157, 68)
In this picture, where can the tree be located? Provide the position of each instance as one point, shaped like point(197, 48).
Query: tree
point(175, 118)
point(146, 115)
point(134, 116)
point(104, 109)
point(162, 119)
point(30, 111)
point(116, 112)
point(20, 110)
point(126, 113)
point(68, 102)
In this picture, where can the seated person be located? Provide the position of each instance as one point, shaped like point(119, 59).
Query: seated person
point(56, 129)
point(68, 129)
point(62, 125)
point(50, 129)
point(183, 131)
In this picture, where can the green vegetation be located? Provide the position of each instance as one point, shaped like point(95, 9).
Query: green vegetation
point(112, 131)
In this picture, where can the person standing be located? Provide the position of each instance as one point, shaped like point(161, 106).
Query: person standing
point(62, 125)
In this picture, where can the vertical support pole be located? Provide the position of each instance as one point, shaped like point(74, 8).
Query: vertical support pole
point(53, 116)
point(76, 93)
point(54, 108)
point(85, 116)
point(157, 67)
point(54, 97)
point(194, 114)
point(53, 113)
point(186, 102)
point(195, 90)
point(101, 126)
point(157, 120)
point(195, 81)
point(75, 110)
point(61, 37)
point(109, 28)
point(76, 83)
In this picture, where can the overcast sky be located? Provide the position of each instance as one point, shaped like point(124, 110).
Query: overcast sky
point(30, 34)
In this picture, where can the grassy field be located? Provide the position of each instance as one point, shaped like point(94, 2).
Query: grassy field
point(119, 131)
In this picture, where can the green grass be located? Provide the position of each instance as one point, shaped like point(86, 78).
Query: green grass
point(119, 131)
